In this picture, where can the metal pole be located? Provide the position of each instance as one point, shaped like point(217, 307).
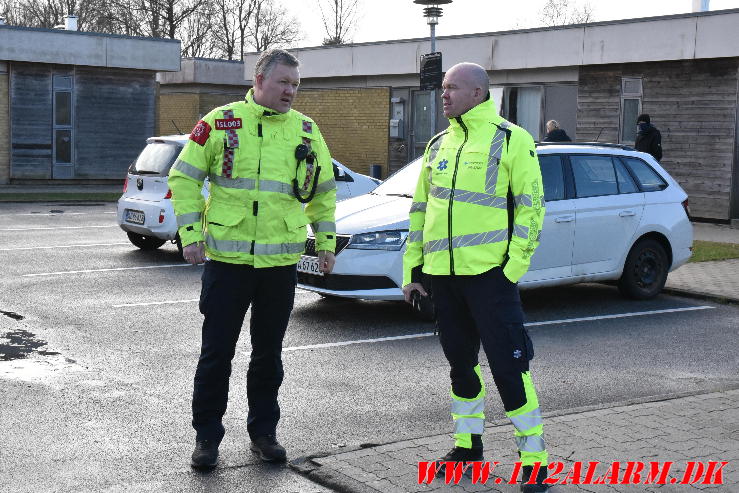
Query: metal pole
point(432, 106)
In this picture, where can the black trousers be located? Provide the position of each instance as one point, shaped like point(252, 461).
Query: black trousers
point(483, 308)
point(227, 292)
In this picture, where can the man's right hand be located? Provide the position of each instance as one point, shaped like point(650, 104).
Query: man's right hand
point(194, 253)
point(409, 288)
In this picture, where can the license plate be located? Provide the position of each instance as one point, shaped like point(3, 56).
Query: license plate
point(135, 217)
point(309, 265)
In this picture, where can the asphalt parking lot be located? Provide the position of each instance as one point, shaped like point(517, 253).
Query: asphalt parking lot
point(99, 341)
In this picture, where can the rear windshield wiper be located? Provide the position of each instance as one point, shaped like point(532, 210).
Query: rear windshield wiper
point(399, 195)
point(145, 172)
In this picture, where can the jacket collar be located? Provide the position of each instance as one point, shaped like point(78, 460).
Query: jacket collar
point(485, 112)
point(259, 111)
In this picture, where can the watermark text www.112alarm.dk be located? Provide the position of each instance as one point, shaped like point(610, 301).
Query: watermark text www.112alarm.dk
point(593, 472)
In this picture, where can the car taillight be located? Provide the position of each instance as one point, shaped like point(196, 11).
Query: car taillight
point(686, 207)
point(161, 216)
point(169, 194)
point(125, 185)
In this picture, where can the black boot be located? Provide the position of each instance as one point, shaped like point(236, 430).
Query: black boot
point(205, 455)
point(540, 477)
point(460, 454)
point(269, 449)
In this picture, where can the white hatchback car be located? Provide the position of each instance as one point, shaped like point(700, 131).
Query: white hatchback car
point(145, 211)
point(611, 214)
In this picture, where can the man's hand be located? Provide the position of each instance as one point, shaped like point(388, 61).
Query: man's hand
point(194, 253)
point(326, 261)
point(409, 288)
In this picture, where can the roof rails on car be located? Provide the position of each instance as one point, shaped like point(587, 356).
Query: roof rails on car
point(593, 144)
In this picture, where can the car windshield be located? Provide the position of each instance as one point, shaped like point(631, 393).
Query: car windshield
point(402, 182)
point(155, 159)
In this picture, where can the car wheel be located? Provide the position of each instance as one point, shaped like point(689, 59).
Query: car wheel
point(178, 242)
point(145, 242)
point(645, 271)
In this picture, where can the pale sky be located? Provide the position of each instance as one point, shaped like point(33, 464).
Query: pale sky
point(383, 20)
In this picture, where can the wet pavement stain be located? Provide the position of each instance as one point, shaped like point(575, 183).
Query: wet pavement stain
point(19, 344)
point(12, 315)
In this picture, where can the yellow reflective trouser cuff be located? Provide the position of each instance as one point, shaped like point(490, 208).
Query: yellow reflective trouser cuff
point(529, 426)
point(468, 415)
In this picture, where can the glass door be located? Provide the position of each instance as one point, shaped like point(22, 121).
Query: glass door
point(63, 143)
point(423, 128)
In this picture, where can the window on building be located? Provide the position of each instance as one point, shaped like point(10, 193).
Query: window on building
point(522, 106)
point(631, 99)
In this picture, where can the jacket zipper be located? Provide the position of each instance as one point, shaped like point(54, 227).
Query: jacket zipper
point(451, 194)
point(255, 204)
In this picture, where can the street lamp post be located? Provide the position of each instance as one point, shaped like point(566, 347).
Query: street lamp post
point(432, 12)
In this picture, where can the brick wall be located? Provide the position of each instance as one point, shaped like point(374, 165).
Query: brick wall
point(354, 123)
point(4, 130)
point(180, 107)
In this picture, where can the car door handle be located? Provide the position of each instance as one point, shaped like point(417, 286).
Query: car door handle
point(564, 219)
point(627, 213)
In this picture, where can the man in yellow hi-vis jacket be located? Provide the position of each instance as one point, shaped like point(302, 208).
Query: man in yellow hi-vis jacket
point(264, 162)
point(475, 222)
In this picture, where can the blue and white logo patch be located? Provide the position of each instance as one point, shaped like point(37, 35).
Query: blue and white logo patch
point(442, 165)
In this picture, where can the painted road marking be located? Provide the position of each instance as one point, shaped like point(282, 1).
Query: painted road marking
point(104, 270)
point(63, 246)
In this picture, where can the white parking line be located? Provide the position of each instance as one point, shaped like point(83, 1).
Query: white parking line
point(59, 227)
point(547, 322)
point(155, 303)
point(104, 270)
point(63, 246)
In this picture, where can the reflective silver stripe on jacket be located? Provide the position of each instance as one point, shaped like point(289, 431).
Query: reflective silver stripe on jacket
point(240, 183)
point(526, 421)
point(418, 207)
point(276, 187)
point(466, 196)
point(521, 231)
point(188, 169)
point(434, 148)
point(523, 200)
point(533, 443)
point(415, 236)
point(326, 186)
point(324, 227)
point(259, 248)
point(469, 425)
point(462, 241)
point(465, 408)
point(278, 248)
point(496, 152)
point(185, 219)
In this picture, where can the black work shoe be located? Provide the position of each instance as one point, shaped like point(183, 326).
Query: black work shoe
point(539, 486)
point(459, 454)
point(205, 455)
point(268, 448)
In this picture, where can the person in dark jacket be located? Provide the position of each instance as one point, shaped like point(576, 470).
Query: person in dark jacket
point(648, 138)
point(555, 133)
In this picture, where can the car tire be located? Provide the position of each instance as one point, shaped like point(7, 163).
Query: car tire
point(645, 271)
point(145, 242)
point(178, 243)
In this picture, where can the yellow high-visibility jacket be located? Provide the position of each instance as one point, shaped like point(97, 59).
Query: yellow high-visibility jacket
point(252, 216)
point(479, 201)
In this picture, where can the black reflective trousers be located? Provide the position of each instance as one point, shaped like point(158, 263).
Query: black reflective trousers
point(483, 308)
point(227, 292)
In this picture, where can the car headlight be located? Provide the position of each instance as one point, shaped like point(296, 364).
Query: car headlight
point(379, 240)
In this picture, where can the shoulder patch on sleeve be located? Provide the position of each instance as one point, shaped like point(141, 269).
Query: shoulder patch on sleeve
point(200, 133)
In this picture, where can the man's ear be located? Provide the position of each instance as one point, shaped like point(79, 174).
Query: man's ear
point(258, 81)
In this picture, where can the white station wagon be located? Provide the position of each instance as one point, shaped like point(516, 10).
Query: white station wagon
point(145, 211)
point(612, 214)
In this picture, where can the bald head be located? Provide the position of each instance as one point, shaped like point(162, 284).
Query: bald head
point(465, 86)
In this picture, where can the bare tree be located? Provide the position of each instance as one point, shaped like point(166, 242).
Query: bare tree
point(563, 12)
point(272, 26)
point(339, 19)
point(234, 19)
